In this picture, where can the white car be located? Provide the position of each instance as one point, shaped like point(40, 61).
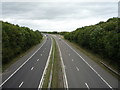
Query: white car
point(59, 38)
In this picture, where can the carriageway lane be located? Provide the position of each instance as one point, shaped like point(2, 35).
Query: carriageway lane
point(84, 73)
point(29, 75)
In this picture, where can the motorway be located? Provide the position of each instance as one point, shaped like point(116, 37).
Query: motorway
point(80, 70)
point(29, 73)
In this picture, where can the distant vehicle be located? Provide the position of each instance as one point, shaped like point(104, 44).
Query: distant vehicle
point(47, 36)
point(60, 39)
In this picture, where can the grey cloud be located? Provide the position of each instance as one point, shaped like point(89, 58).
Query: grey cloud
point(48, 10)
point(55, 15)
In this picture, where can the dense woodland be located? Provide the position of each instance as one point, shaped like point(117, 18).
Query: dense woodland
point(102, 38)
point(16, 40)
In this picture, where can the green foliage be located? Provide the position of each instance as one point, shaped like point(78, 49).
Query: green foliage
point(62, 33)
point(54, 32)
point(102, 38)
point(16, 39)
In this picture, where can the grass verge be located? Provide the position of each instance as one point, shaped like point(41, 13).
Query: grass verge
point(7, 65)
point(57, 81)
point(96, 58)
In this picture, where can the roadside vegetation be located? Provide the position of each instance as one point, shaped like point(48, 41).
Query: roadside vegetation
point(57, 76)
point(57, 80)
point(102, 39)
point(17, 40)
point(55, 32)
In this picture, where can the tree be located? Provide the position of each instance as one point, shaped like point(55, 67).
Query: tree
point(102, 38)
point(17, 40)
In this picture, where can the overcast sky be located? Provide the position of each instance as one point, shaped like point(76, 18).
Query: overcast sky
point(58, 15)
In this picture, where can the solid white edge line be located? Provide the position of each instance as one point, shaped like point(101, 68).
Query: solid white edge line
point(44, 72)
point(63, 68)
point(50, 80)
point(22, 65)
point(37, 59)
point(87, 86)
point(89, 65)
point(21, 84)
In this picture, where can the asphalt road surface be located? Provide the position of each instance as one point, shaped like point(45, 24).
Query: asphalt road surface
point(82, 72)
point(29, 73)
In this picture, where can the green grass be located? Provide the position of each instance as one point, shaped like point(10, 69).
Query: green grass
point(48, 70)
point(0, 57)
point(57, 81)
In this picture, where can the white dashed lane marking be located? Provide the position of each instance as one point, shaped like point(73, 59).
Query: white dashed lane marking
point(72, 59)
point(37, 59)
point(87, 85)
point(90, 67)
point(21, 84)
point(77, 68)
point(32, 68)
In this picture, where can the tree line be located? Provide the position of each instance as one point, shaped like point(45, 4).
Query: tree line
point(55, 32)
point(102, 38)
point(16, 40)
